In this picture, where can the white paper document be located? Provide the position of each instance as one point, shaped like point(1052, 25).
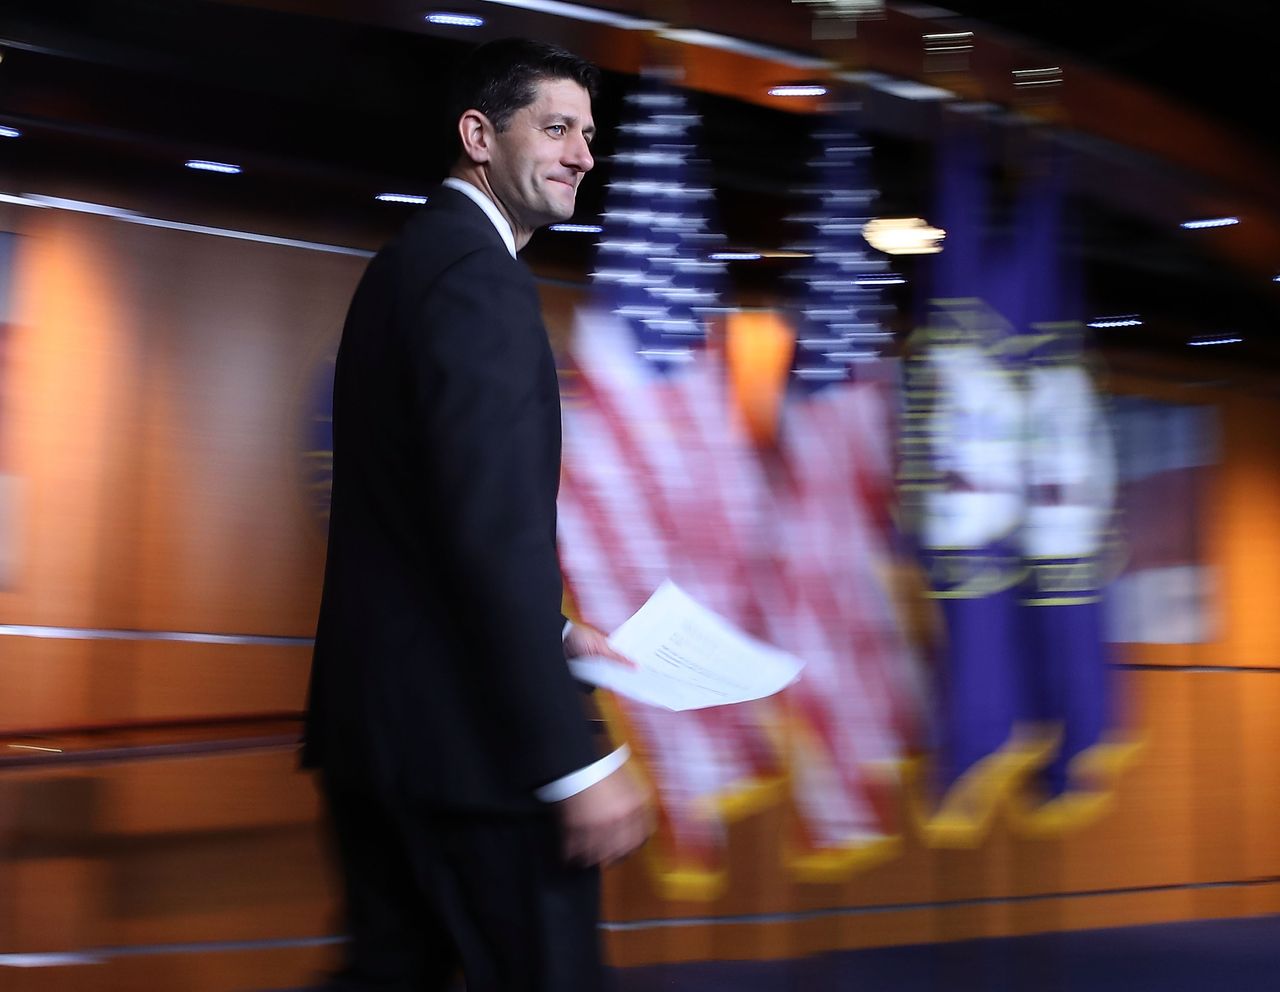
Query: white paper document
point(687, 657)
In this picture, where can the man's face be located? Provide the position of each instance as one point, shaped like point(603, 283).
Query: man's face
point(538, 161)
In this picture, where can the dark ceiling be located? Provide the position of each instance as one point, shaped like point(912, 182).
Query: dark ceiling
point(1218, 57)
point(326, 111)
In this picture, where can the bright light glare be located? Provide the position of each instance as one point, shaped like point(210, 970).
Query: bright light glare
point(203, 166)
point(576, 228)
point(797, 91)
point(1196, 225)
point(455, 20)
point(1201, 342)
point(1127, 320)
point(9, 132)
point(903, 236)
point(734, 256)
point(400, 198)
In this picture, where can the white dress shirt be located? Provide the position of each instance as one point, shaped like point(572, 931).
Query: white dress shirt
point(574, 782)
point(490, 209)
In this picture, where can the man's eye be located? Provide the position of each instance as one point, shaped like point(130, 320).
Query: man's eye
point(559, 130)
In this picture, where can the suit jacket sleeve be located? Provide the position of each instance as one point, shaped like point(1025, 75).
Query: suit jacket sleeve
point(486, 406)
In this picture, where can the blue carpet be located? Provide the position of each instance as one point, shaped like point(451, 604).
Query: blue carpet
point(1203, 956)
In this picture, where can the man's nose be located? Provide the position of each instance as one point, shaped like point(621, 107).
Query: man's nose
point(578, 155)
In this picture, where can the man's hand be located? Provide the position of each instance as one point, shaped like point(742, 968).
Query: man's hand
point(606, 821)
point(584, 639)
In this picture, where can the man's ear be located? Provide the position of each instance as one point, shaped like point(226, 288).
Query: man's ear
point(476, 134)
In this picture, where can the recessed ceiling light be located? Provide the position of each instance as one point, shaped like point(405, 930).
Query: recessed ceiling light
point(401, 198)
point(576, 228)
point(943, 42)
point(1195, 225)
point(1217, 339)
point(1124, 320)
point(798, 90)
point(454, 20)
point(1051, 76)
point(9, 132)
point(204, 166)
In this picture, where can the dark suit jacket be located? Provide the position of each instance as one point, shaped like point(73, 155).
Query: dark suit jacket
point(439, 673)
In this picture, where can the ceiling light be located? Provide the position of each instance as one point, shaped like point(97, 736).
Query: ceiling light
point(454, 20)
point(890, 279)
point(805, 90)
point(204, 166)
point(9, 132)
point(1219, 339)
point(401, 198)
point(943, 42)
point(1124, 320)
point(576, 228)
point(734, 256)
point(1050, 76)
point(1195, 225)
point(903, 236)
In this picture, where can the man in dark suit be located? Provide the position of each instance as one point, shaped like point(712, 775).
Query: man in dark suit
point(470, 807)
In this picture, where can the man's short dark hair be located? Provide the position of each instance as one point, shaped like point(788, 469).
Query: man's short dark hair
point(500, 77)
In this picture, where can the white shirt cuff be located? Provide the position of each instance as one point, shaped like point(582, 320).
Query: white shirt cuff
point(568, 626)
point(583, 778)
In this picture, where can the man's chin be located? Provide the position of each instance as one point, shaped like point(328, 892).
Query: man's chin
point(565, 197)
point(559, 213)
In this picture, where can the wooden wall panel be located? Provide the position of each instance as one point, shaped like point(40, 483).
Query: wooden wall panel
point(211, 971)
point(223, 886)
point(229, 542)
point(63, 682)
point(73, 404)
point(1259, 733)
point(1146, 837)
point(1246, 532)
point(207, 795)
point(160, 388)
point(48, 682)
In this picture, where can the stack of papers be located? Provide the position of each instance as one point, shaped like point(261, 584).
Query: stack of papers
point(687, 657)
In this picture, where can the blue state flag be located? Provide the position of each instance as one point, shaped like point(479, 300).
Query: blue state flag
point(963, 484)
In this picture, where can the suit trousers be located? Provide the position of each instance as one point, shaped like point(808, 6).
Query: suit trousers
point(431, 892)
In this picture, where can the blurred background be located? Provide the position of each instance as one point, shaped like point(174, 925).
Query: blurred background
point(935, 346)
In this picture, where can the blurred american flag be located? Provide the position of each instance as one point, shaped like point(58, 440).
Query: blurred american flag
point(856, 712)
point(659, 480)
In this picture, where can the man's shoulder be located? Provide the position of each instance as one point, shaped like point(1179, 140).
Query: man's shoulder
point(447, 229)
point(449, 235)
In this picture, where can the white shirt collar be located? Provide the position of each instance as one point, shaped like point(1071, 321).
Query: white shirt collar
point(489, 207)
